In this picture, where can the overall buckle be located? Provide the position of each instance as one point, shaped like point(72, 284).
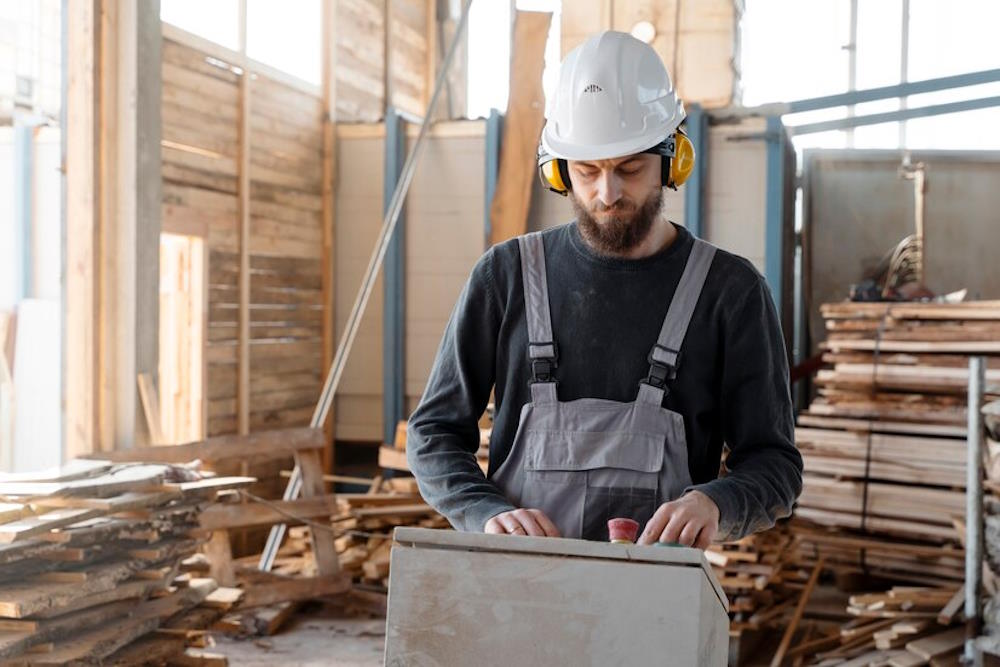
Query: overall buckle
point(543, 364)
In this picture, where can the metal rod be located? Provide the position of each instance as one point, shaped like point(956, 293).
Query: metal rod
point(890, 116)
point(368, 282)
point(974, 507)
point(864, 95)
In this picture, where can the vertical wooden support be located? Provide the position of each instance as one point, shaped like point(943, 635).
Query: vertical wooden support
point(131, 126)
point(243, 372)
point(220, 558)
point(522, 127)
point(324, 551)
point(329, 69)
point(81, 289)
point(430, 66)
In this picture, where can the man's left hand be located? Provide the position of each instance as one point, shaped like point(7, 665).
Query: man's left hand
point(691, 520)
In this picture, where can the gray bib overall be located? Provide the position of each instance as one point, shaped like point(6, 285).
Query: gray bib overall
point(586, 461)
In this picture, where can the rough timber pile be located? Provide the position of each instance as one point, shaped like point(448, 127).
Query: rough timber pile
point(884, 441)
point(93, 557)
point(901, 627)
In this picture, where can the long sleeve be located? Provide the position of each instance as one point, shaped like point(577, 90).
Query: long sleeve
point(443, 432)
point(764, 467)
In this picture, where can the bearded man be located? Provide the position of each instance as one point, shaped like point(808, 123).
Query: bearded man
point(623, 353)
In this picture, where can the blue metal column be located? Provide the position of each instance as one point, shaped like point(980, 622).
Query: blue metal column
point(775, 208)
point(394, 307)
point(494, 130)
point(694, 189)
point(24, 167)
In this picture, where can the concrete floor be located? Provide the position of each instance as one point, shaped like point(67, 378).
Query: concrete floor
point(319, 637)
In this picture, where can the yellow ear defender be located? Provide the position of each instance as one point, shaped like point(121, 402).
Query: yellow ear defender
point(677, 151)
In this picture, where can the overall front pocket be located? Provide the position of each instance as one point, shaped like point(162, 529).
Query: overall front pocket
point(580, 479)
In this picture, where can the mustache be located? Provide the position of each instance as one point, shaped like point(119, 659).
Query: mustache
point(620, 206)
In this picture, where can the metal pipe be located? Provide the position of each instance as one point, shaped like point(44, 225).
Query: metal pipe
point(368, 282)
point(974, 508)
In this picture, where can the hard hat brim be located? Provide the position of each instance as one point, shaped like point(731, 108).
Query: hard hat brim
point(571, 151)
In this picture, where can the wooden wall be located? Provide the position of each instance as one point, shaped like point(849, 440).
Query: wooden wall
point(362, 41)
point(201, 147)
point(697, 39)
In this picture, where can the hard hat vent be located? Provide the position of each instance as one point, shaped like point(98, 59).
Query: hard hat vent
point(593, 88)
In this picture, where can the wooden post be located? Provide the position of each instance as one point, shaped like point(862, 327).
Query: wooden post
point(329, 68)
point(81, 290)
point(131, 127)
point(312, 485)
point(112, 162)
point(243, 387)
point(522, 128)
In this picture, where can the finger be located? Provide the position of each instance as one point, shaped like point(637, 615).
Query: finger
point(705, 538)
point(494, 527)
point(689, 534)
point(655, 525)
point(672, 532)
point(546, 523)
point(511, 525)
point(530, 525)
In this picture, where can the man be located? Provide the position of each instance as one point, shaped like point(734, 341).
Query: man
point(622, 351)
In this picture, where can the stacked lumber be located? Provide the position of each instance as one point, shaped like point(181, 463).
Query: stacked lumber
point(899, 627)
point(92, 558)
point(759, 575)
point(363, 527)
point(849, 552)
point(883, 443)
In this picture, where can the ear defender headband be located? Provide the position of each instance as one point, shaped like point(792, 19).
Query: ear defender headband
point(677, 165)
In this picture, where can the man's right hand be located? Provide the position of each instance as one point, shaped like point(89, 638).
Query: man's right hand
point(522, 522)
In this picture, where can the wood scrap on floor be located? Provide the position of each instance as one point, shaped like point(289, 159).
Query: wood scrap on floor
point(92, 559)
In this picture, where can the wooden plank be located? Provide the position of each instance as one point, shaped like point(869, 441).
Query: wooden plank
point(131, 478)
point(151, 407)
point(786, 639)
point(294, 589)
point(82, 240)
point(522, 127)
point(277, 511)
point(268, 445)
point(329, 208)
point(35, 525)
point(97, 644)
point(939, 644)
point(72, 470)
point(243, 340)
point(29, 598)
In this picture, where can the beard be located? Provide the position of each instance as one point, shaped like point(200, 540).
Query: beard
point(627, 226)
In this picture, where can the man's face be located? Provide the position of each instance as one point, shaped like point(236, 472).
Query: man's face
point(616, 201)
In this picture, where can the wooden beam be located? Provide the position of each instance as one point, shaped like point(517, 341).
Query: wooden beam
point(243, 340)
point(82, 214)
point(282, 589)
point(226, 516)
point(522, 127)
point(329, 51)
point(263, 446)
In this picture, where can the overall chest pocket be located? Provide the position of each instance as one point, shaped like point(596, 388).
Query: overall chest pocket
point(581, 479)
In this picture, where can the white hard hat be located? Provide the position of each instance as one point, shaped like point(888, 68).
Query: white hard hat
point(615, 98)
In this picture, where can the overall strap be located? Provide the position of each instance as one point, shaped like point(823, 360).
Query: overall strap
point(665, 355)
point(542, 352)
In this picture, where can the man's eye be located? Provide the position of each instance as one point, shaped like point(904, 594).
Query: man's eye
point(629, 172)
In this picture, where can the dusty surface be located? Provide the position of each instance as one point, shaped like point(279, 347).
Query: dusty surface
point(319, 637)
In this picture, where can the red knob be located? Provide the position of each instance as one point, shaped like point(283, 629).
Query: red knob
point(622, 530)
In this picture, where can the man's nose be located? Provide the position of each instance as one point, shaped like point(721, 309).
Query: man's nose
point(609, 189)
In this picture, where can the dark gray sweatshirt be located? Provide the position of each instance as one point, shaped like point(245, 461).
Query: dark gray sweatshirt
point(731, 385)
